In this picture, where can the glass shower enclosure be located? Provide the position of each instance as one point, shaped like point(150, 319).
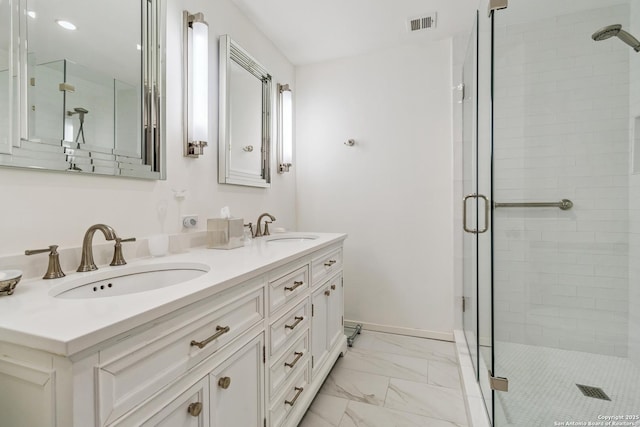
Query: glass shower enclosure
point(552, 288)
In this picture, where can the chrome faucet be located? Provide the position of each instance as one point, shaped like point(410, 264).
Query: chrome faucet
point(87, 263)
point(259, 232)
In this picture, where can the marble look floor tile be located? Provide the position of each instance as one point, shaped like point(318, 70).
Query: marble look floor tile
point(386, 364)
point(355, 385)
point(363, 415)
point(325, 411)
point(427, 400)
point(408, 346)
point(444, 375)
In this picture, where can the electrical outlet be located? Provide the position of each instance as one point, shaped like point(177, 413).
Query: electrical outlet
point(189, 221)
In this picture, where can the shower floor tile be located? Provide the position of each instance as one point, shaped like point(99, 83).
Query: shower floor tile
point(543, 391)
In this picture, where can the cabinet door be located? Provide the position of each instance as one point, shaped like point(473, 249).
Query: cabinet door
point(319, 316)
point(27, 394)
point(236, 388)
point(335, 311)
point(189, 409)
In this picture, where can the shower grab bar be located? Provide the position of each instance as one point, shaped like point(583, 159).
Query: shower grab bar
point(564, 204)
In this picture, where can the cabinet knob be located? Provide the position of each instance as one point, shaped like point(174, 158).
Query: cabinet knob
point(333, 287)
point(224, 382)
point(195, 408)
point(327, 292)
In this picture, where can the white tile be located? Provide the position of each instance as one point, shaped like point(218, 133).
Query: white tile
point(325, 411)
point(363, 415)
point(357, 386)
point(444, 375)
point(408, 346)
point(426, 400)
point(386, 364)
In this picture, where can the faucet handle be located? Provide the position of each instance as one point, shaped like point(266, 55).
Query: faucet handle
point(118, 258)
point(266, 228)
point(54, 271)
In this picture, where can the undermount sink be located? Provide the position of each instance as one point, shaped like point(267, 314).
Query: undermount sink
point(291, 238)
point(130, 280)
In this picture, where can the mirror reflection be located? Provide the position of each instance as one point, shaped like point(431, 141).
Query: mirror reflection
point(5, 49)
point(86, 86)
point(245, 114)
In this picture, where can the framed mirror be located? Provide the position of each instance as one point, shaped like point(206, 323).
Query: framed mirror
point(244, 142)
point(81, 86)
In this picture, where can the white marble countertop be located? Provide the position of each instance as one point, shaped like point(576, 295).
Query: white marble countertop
point(32, 317)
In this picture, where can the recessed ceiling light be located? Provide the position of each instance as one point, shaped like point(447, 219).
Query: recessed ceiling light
point(31, 14)
point(66, 24)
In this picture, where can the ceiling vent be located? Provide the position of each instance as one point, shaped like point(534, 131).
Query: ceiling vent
point(423, 22)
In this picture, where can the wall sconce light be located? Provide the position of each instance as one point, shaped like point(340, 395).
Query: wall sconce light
point(195, 83)
point(285, 128)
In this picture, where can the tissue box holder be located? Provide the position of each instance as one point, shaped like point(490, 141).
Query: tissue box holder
point(225, 233)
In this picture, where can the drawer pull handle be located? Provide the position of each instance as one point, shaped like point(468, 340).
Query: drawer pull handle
point(221, 331)
point(224, 382)
point(333, 287)
point(297, 319)
point(292, 364)
point(194, 409)
point(293, 401)
point(330, 263)
point(327, 292)
point(296, 285)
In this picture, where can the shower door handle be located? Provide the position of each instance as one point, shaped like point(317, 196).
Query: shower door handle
point(486, 213)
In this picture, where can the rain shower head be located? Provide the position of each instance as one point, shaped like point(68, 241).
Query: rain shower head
point(616, 30)
point(81, 110)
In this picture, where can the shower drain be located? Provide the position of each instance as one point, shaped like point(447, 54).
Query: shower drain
point(595, 392)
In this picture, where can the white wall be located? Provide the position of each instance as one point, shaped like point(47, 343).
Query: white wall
point(561, 131)
point(634, 196)
point(43, 208)
point(392, 191)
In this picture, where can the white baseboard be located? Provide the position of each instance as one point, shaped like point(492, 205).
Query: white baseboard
point(421, 333)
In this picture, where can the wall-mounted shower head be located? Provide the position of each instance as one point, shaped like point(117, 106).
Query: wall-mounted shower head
point(81, 110)
point(616, 30)
point(606, 32)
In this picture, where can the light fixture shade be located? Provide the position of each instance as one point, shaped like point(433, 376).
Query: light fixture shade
point(200, 81)
point(285, 137)
point(196, 65)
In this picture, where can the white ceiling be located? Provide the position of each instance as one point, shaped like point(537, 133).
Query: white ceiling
point(308, 31)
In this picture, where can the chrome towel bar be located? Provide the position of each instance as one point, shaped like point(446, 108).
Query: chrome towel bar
point(564, 204)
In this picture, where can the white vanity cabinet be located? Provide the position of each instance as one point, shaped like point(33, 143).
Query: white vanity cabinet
point(326, 321)
point(239, 357)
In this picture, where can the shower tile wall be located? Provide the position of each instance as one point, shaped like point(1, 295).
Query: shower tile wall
point(634, 208)
point(562, 131)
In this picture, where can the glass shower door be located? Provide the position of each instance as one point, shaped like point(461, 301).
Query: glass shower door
point(476, 220)
point(564, 226)
point(470, 203)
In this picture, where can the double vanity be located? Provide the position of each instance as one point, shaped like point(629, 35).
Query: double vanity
point(236, 338)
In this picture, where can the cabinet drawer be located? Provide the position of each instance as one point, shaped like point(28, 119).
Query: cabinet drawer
point(127, 380)
point(326, 264)
point(296, 357)
point(172, 407)
point(294, 321)
point(288, 398)
point(288, 287)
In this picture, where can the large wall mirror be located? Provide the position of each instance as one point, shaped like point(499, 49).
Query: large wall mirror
point(82, 86)
point(244, 118)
